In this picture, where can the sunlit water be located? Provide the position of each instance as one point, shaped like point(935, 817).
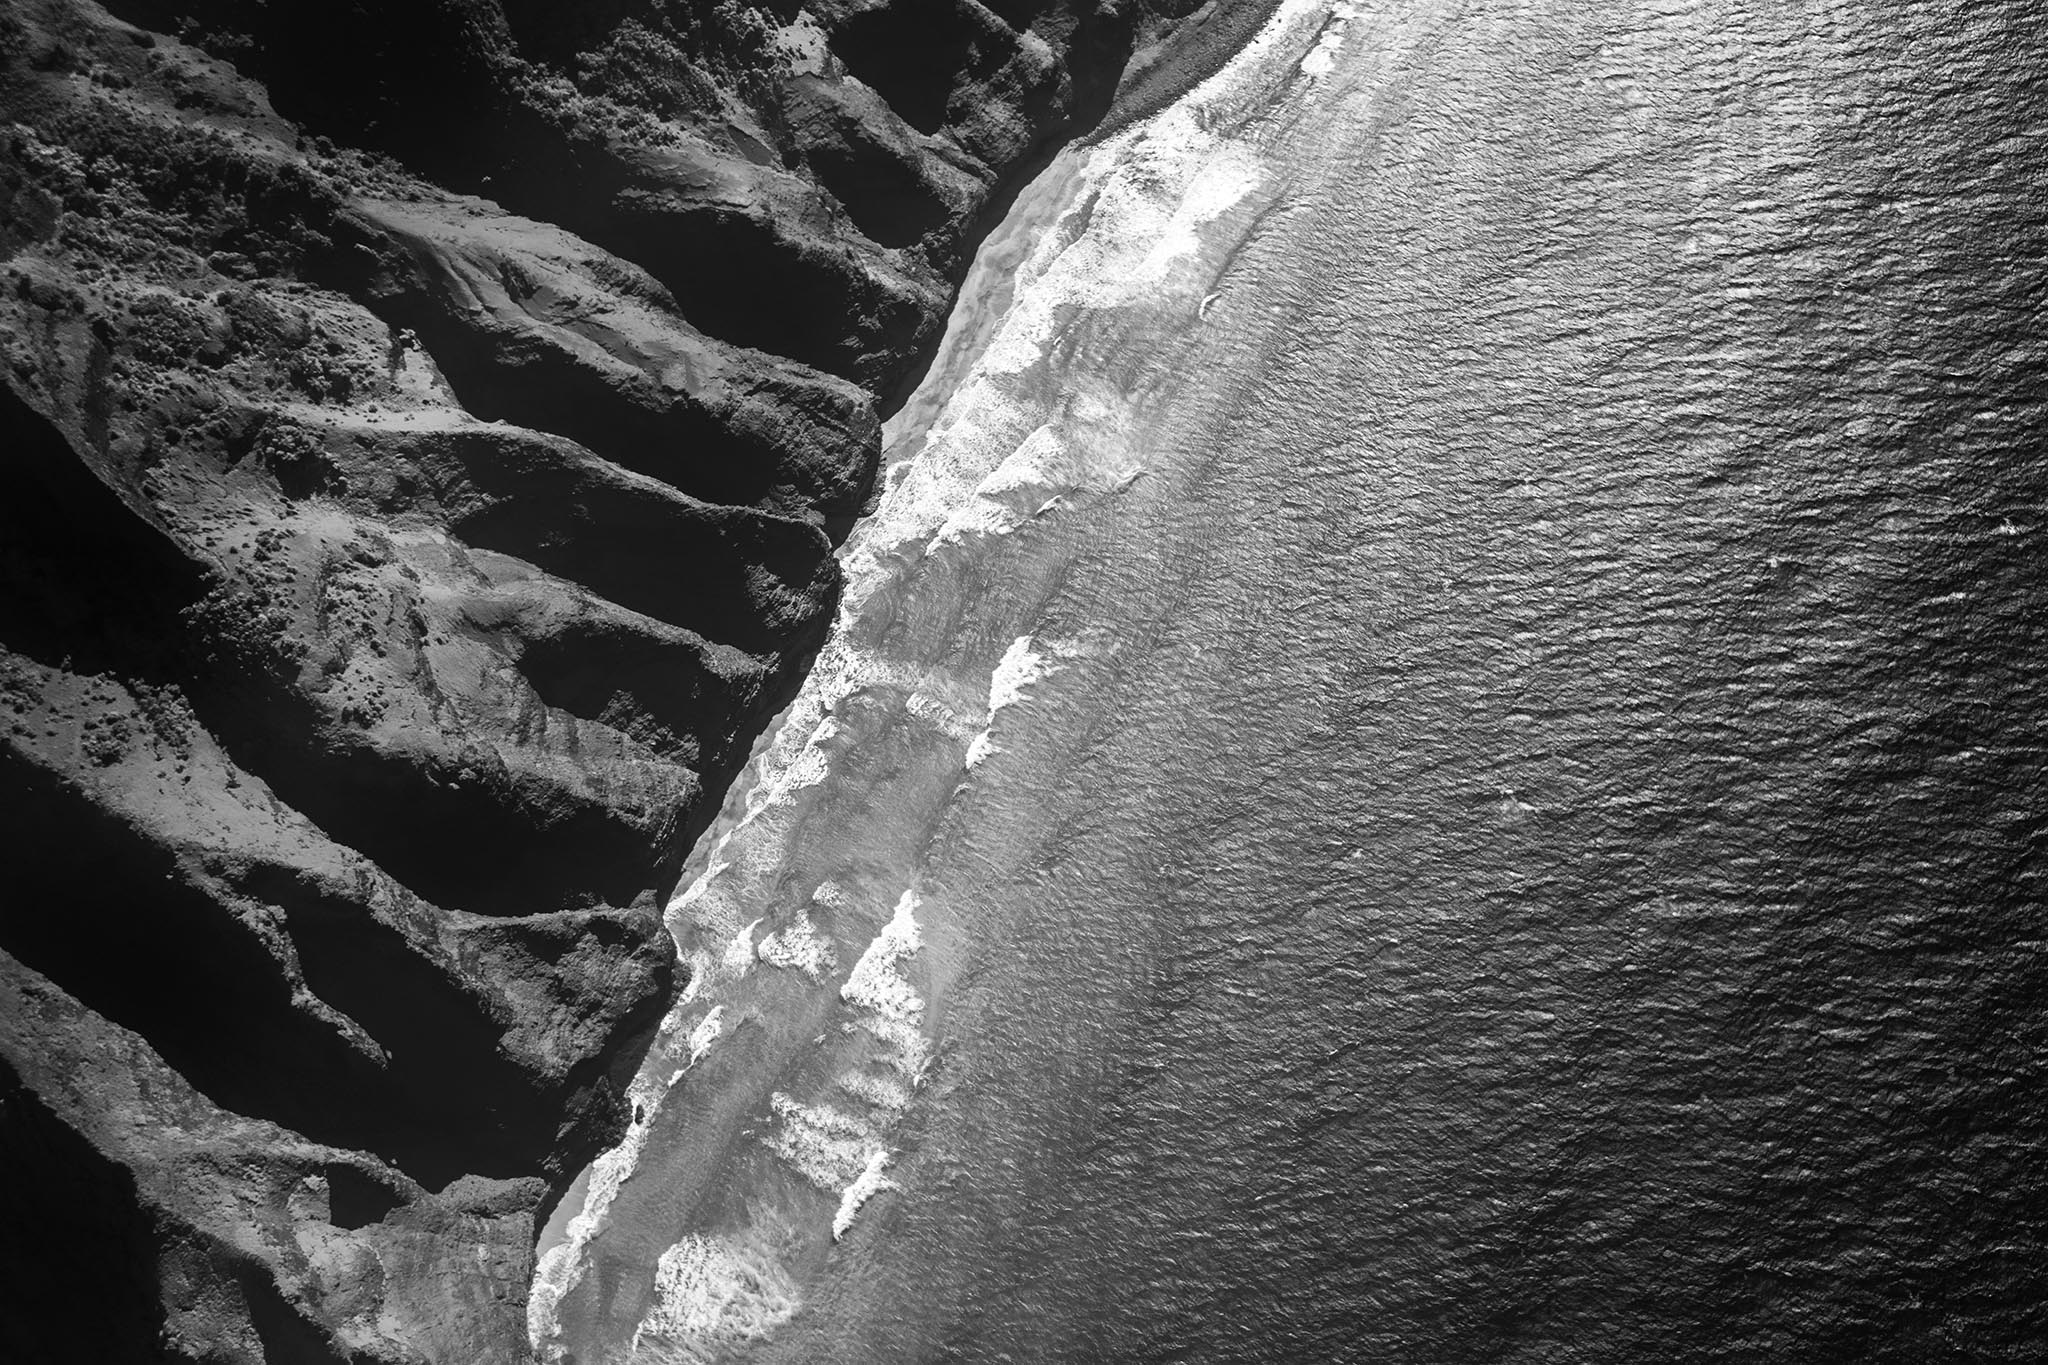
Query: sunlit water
point(1436, 752)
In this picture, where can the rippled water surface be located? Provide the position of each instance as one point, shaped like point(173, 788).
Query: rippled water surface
point(1436, 752)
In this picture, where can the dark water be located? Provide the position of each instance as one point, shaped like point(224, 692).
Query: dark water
point(1528, 843)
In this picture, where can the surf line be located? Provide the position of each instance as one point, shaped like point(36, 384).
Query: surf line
point(1000, 436)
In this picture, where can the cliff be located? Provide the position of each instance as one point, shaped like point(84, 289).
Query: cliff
point(426, 428)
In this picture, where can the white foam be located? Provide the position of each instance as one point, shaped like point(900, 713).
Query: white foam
point(886, 1093)
point(1021, 667)
point(683, 913)
point(1322, 58)
point(1260, 50)
point(1154, 192)
point(798, 946)
point(826, 1146)
point(939, 714)
point(1040, 464)
point(776, 787)
point(1144, 197)
point(713, 1293)
point(704, 1035)
point(562, 1267)
point(697, 963)
point(690, 894)
point(869, 1183)
point(557, 1271)
point(739, 954)
point(877, 981)
point(909, 1051)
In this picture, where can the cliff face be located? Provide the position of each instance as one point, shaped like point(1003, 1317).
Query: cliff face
point(426, 425)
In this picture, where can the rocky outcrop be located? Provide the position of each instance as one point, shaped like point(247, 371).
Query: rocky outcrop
point(209, 1236)
point(425, 425)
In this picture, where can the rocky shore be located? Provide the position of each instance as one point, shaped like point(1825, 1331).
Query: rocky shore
point(427, 429)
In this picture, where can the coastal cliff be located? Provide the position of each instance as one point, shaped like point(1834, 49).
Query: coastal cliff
point(427, 427)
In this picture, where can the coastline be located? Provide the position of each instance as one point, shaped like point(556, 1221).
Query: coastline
point(1261, 841)
point(989, 444)
point(413, 467)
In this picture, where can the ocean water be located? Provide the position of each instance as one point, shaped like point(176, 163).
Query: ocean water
point(1436, 751)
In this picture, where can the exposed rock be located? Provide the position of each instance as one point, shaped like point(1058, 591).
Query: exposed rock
point(426, 425)
point(202, 1235)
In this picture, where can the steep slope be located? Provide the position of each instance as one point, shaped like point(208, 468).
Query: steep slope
point(426, 426)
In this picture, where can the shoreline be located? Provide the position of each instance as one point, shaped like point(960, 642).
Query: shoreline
point(1192, 50)
point(962, 460)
